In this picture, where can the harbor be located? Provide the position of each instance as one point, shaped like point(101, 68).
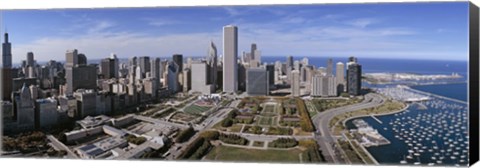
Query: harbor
point(429, 132)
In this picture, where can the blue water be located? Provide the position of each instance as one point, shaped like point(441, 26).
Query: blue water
point(397, 150)
point(455, 91)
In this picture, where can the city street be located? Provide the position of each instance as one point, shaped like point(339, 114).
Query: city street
point(324, 135)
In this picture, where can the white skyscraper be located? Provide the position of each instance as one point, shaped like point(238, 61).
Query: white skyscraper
point(340, 75)
point(295, 83)
point(230, 66)
point(200, 78)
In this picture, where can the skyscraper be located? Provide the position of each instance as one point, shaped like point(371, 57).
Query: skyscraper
point(172, 77)
point(289, 62)
point(187, 80)
point(144, 64)
point(24, 107)
point(252, 51)
point(340, 76)
point(7, 53)
point(6, 70)
point(257, 82)
point(71, 58)
point(46, 113)
point(86, 103)
point(295, 83)
point(178, 59)
point(30, 59)
point(109, 67)
point(354, 77)
point(200, 78)
point(78, 74)
point(82, 59)
point(330, 67)
point(230, 66)
point(242, 76)
point(213, 63)
point(296, 65)
point(156, 71)
point(351, 60)
point(271, 73)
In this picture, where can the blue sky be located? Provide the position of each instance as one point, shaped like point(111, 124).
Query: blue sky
point(388, 30)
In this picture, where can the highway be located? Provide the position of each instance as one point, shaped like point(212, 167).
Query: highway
point(324, 134)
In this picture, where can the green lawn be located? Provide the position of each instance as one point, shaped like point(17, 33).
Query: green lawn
point(235, 128)
point(194, 109)
point(258, 143)
point(224, 153)
point(265, 121)
point(326, 104)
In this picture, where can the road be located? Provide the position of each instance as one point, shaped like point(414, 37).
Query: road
point(60, 146)
point(324, 134)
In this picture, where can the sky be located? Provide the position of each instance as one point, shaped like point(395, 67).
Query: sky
point(385, 30)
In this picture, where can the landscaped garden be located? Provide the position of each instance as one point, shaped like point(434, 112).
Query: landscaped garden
point(269, 116)
point(196, 110)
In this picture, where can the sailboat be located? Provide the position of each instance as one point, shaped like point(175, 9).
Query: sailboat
point(404, 161)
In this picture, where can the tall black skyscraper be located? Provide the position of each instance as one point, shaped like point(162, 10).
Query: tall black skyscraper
point(109, 67)
point(252, 51)
point(6, 70)
point(178, 59)
point(7, 53)
point(354, 77)
point(144, 64)
point(30, 59)
point(271, 73)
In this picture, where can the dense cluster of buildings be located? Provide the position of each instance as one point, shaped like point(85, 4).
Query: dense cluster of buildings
point(40, 96)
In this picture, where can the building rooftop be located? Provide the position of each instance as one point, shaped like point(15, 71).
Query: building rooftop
point(90, 121)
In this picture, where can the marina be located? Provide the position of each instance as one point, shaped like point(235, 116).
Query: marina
point(430, 132)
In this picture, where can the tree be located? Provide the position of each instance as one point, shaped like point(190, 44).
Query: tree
point(185, 135)
point(228, 122)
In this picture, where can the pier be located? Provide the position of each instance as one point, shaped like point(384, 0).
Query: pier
point(435, 95)
point(376, 119)
point(421, 106)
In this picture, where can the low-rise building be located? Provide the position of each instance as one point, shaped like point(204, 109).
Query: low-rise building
point(92, 151)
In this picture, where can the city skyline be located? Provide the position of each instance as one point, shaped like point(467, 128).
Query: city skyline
point(365, 31)
point(216, 108)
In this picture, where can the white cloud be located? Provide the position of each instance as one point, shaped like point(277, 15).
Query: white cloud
point(277, 37)
point(232, 11)
point(100, 26)
point(125, 45)
point(161, 21)
point(362, 22)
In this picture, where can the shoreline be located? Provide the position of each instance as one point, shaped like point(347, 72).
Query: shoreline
point(383, 114)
